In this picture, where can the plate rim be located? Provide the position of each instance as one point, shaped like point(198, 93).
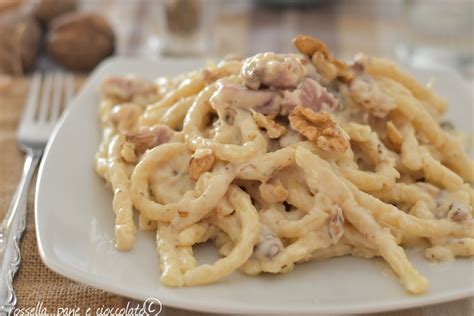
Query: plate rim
point(70, 272)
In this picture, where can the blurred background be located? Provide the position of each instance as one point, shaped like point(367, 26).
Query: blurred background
point(77, 34)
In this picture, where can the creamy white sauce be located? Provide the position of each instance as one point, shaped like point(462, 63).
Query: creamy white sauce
point(291, 137)
point(237, 96)
point(368, 94)
point(273, 70)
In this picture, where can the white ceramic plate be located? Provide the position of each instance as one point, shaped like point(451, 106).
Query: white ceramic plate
point(74, 226)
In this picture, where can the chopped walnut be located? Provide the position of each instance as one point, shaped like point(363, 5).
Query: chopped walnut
point(460, 213)
point(336, 224)
point(329, 67)
point(201, 162)
point(309, 45)
point(394, 136)
point(273, 192)
point(318, 127)
point(274, 130)
point(148, 138)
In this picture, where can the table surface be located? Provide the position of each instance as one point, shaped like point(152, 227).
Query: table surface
point(347, 27)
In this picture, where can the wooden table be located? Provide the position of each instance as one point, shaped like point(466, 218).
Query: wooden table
point(347, 26)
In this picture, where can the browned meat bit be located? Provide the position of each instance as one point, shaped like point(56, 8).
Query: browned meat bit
point(124, 116)
point(460, 213)
point(201, 162)
point(336, 224)
point(273, 70)
point(366, 92)
point(394, 136)
point(274, 130)
point(328, 66)
point(150, 137)
point(319, 128)
point(309, 94)
point(128, 88)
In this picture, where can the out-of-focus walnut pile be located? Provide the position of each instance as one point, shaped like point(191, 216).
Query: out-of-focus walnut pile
point(76, 40)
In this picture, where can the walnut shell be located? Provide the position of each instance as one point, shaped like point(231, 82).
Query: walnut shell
point(80, 41)
point(47, 10)
point(20, 37)
point(10, 5)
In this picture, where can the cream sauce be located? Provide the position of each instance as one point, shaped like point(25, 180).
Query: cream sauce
point(237, 96)
point(273, 70)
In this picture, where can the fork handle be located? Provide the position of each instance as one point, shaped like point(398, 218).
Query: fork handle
point(11, 231)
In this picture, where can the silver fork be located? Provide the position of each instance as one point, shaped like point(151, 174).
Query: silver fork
point(47, 97)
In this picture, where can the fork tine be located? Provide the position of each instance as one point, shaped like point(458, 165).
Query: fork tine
point(45, 98)
point(56, 99)
point(69, 90)
point(31, 103)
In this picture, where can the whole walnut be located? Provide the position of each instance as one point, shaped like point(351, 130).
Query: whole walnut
point(20, 37)
point(47, 10)
point(80, 41)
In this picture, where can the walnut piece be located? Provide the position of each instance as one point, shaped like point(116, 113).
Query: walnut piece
point(201, 162)
point(47, 10)
point(394, 136)
point(273, 192)
point(274, 130)
point(319, 128)
point(148, 138)
point(329, 67)
point(309, 45)
point(10, 5)
point(80, 41)
point(20, 37)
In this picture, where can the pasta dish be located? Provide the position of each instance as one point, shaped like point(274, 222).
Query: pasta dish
point(280, 159)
